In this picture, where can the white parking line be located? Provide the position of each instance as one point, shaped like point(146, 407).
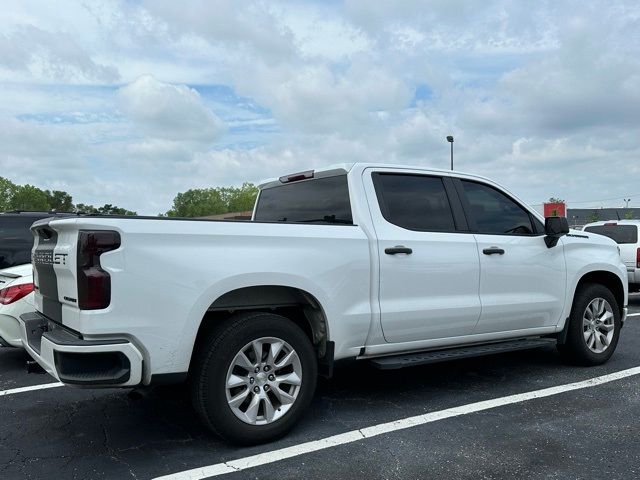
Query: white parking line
point(380, 429)
point(32, 388)
point(633, 315)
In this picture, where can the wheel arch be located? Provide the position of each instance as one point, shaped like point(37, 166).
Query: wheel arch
point(607, 279)
point(293, 303)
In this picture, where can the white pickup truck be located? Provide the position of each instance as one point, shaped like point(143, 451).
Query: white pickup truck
point(398, 266)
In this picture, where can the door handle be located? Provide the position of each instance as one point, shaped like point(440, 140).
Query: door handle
point(397, 249)
point(493, 251)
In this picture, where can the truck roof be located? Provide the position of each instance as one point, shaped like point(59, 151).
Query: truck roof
point(344, 168)
point(613, 222)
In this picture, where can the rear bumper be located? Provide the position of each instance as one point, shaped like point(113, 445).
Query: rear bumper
point(68, 357)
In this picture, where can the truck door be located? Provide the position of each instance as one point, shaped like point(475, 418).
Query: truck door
point(522, 281)
point(429, 269)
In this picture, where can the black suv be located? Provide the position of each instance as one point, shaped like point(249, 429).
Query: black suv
point(16, 239)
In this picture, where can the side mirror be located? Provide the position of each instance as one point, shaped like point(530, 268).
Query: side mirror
point(554, 228)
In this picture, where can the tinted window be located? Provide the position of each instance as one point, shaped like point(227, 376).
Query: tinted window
point(16, 240)
point(539, 226)
point(323, 200)
point(414, 202)
point(494, 212)
point(618, 233)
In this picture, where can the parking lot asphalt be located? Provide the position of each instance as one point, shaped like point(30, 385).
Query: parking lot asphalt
point(593, 432)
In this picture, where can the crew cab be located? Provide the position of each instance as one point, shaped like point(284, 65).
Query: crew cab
point(397, 266)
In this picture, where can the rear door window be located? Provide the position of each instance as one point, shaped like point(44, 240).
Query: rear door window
point(317, 201)
point(620, 234)
point(414, 202)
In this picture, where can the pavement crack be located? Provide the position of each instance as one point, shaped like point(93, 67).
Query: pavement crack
point(114, 454)
point(232, 467)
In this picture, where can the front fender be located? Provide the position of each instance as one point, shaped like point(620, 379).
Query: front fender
point(602, 255)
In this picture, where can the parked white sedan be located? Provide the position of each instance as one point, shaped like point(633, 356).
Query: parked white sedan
point(16, 298)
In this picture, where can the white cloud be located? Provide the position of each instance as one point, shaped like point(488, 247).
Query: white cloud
point(317, 99)
point(26, 145)
point(543, 97)
point(50, 55)
point(166, 111)
point(246, 28)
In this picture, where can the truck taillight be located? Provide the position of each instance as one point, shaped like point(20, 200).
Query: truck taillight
point(13, 294)
point(94, 284)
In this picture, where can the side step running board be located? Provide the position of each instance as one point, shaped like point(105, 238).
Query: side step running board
point(423, 358)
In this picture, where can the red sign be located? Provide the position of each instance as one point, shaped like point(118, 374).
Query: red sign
point(555, 210)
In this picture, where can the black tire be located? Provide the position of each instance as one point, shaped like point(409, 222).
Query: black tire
point(209, 373)
point(575, 348)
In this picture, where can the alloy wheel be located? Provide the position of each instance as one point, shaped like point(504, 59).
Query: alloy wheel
point(263, 381)
point(598, 325)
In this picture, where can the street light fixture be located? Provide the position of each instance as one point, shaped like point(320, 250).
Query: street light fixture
point(450, 140)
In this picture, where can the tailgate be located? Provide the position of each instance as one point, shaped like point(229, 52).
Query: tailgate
point(54, 266)
point(629, 255)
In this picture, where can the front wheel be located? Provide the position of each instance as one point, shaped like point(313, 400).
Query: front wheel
point(594, 326)
point(254, 377)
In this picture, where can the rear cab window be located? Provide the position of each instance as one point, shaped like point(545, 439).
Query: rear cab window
point(315, 201)
point(621, 234)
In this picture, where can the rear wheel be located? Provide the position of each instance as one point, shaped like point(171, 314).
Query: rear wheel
point(594, 326)
point(253, 378)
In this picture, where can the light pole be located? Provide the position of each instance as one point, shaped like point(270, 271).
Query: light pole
point(450, 140)
point(626, 202)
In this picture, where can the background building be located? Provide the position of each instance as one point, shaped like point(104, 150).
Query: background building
point(580, 216)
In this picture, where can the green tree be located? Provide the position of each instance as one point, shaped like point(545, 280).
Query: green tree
point(106, 209)
point(628, 215)
point(28, 197)
point(241, 199)
point(593, 217)
point(198, 202)
point(59, 201)
point(555, 200)
point(109, 209)
point(84, 208)
point(201, 202)
point(7, 190)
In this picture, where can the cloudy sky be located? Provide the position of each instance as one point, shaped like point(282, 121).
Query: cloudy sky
point(129, 102)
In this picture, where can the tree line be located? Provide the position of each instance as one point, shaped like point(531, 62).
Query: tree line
point(200, 202)
point(31, 198)
point(197, 202)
